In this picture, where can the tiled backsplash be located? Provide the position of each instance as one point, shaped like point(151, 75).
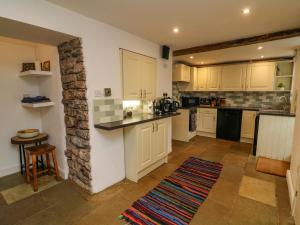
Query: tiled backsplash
point(108, 110)
point(247, 99)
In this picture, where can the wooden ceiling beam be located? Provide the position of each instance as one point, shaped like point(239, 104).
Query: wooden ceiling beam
point(240, 42)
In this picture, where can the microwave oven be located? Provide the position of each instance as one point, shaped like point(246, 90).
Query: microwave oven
point(190, 101)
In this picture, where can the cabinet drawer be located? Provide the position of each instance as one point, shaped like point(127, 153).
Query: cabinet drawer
point(207, 110)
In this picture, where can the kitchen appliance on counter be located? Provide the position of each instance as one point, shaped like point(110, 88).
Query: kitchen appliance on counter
point(165, 105)
point(229, 124)
point(190, 101)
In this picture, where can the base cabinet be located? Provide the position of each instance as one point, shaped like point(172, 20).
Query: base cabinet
point(145, 148)
point(207, 122)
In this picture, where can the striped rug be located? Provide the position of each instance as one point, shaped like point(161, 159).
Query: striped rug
point(177, 198)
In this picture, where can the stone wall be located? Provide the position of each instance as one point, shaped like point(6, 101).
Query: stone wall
point(73, 79)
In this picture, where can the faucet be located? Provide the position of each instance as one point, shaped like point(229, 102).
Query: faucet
point(285, 106)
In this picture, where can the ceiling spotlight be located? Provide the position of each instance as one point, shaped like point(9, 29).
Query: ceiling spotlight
point(176, 30)
point(191, 57)
point(262, 56)
point(201, 63)
point(246, 11)
point(260, 47)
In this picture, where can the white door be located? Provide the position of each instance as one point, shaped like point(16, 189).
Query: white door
point(145, 145)
point(213, 82)
point(148, 77)
point(233, 77)
point(160, 140)
point(131, 76)
point(207, 122)
point(248, 124)
point(260, 76)
point(202, 79)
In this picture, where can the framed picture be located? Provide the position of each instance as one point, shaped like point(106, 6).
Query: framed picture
point(28, 66)
point(46, 66)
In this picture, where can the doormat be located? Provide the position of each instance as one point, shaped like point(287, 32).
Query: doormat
point(25, 190)
point(177, 198)
point(272, 166)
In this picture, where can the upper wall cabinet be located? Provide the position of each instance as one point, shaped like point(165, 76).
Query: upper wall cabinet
point(202, 79)
point(139, 76)
point(193, 84)
point(213, 78)
point(181, 72)
point(233, 77)
point(260, 76)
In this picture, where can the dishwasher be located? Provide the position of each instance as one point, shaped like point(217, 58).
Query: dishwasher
point(229, 123)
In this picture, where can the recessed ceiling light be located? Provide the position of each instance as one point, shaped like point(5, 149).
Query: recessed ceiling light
point(262, 56)
point(176, 30)
point(260, 47)
point(191, 57)
point(246, 11)
point(201, 63)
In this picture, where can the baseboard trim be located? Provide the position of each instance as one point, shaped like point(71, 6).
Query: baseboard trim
point(290, 189)
point(246, 140)
point(9, 170)
point(63, 173)
point(206, 134)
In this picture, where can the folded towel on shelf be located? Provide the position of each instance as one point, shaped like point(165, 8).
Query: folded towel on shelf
point(35, 99)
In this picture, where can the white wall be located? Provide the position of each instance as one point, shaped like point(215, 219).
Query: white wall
point(13, 116)
point(52, 118)
point(101, 45)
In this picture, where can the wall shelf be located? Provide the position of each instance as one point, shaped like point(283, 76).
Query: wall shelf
point(35, 73)
point(38, 105)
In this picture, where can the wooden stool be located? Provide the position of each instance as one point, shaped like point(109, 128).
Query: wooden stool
point(34, 152)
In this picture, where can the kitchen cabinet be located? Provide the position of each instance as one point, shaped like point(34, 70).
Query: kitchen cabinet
point(275, 137)
point(260, 76)
point(233, 77)
point(248, 125)
point(181, 72)
point(139, 76)
point(213, 79)
point(202, 79)
point(145, 148)
point(207, 122)
point(180, 126)
point(193, 84)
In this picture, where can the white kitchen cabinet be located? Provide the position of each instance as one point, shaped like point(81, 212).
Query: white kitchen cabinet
point(248, 125)
point(180, 126)
point(202, 79)
point(233, 77)
point(145, 148)
point(275, 137)
point(193, 84)
point(260, 76)
point(213, 79)
point(181, 72)
point(206, 122)
point(139, 76)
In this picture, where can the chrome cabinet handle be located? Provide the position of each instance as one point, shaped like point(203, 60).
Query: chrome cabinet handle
point(152, 127)
point(141, 93)
point(156, 127)
point(145, 94)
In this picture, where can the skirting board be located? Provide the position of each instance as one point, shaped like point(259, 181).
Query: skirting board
point(291, 189)
point(9, 170)
point(246, 140)
point(206, 134)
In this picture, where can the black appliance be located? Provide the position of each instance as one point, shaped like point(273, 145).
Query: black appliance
point(165, 105)
point(193, 119)
point(190, 101)
point(255, 135)
point(229, 124)
point(205, 101)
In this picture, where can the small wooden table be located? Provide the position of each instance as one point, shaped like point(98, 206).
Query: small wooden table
point(25, 141)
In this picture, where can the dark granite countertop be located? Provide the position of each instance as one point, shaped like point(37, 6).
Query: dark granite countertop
point(275, 113)
point(134, 120)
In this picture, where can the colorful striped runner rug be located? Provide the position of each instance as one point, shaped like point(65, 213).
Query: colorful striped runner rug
point(177, 198)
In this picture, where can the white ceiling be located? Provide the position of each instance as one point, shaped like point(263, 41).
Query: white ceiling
point(200, 21)
point(279, 48)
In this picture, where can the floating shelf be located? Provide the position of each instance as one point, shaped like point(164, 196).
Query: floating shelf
point(35, 73)
point(38, 105)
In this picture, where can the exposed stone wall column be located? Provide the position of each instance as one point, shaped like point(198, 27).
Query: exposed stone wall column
point(73, 79)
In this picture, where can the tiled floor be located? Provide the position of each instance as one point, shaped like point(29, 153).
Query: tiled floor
point(66, 204)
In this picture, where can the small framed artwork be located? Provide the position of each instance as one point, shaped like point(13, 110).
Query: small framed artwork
point(28, 66)
point(46, 66)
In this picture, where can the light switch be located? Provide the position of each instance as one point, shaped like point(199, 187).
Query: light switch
point(98, 93)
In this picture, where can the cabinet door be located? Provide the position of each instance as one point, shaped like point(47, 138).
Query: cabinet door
point(233, 77)
point(145, 145)
point(181, 72)
point(248, 124)
point(213, 82)
point(207, 122)
point(131, 76)
point(193, 84)
point(202, 79)
point(160, 140)
point(186, 73)
point(260, 77)
point(148, 77)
